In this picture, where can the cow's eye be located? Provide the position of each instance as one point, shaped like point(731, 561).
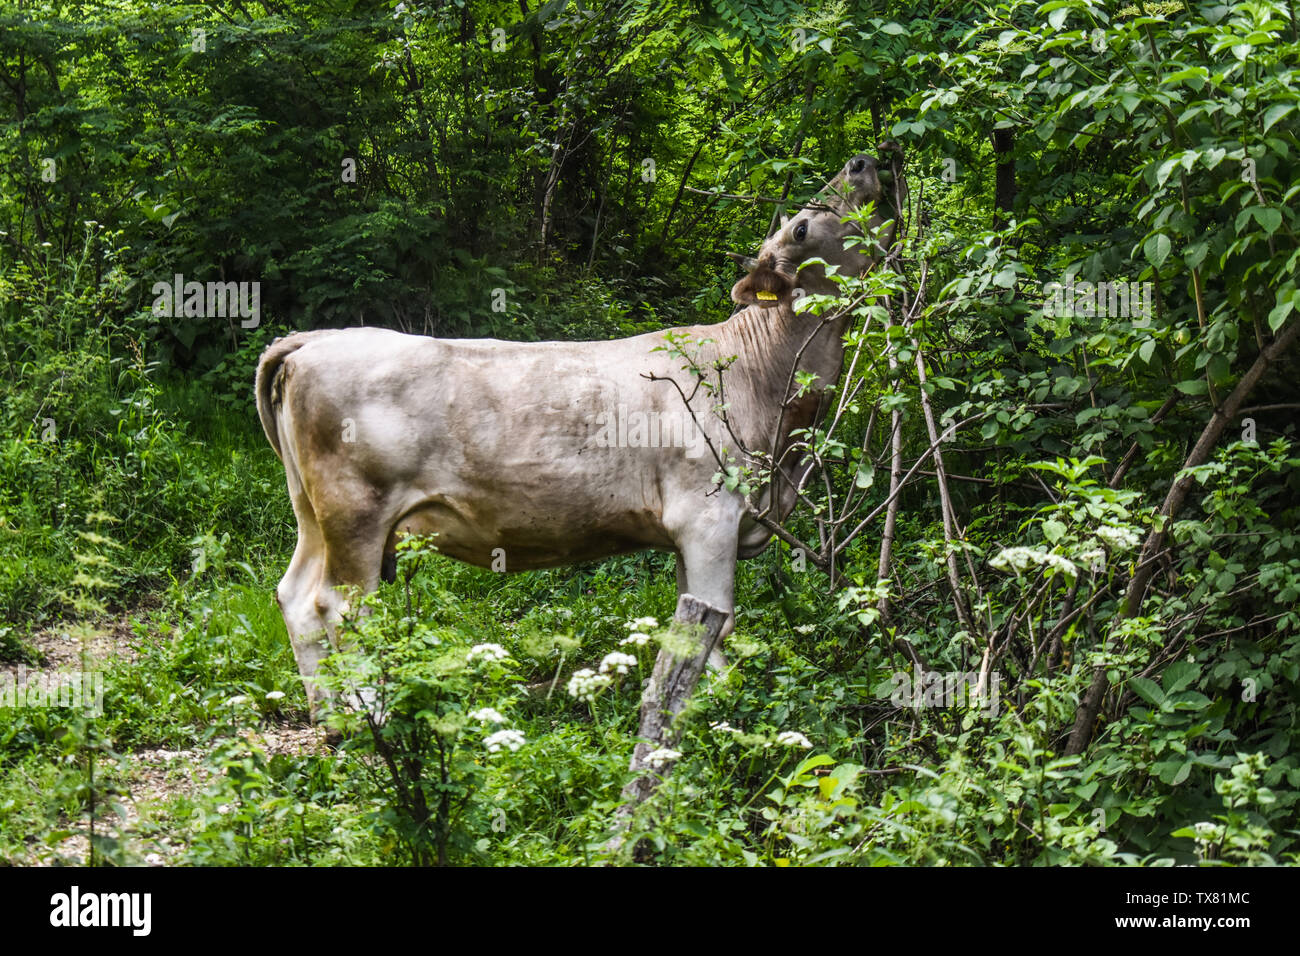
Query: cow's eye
point(801, 232)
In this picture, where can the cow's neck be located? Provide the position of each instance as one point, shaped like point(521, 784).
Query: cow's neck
point(770, 343)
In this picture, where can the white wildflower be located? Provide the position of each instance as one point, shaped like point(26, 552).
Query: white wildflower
point(636, 639)
point(275, 695)
point(618, 662)
point(657, 758)
point(1064, 565)
point(489, 652)
point(1206, 835)
point(1015, 559)
point(487, 715)
point(1117, 539)
point(806, 628)
point(1094, 558)
point(1022, 559)
point(722, 727)
point(586, 684)
point(642, 624)
point(512, 740)
point(792, 738)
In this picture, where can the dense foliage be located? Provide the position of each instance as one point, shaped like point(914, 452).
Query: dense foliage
point(1086, 501)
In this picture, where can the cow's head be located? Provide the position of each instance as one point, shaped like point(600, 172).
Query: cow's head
point(818, 233)
point(862, 179)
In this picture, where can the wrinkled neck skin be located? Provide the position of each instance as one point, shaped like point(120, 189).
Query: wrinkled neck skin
point(767, 343)
point(770, 344)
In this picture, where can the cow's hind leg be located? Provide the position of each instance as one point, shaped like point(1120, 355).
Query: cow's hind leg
point(353, 563)
point(327, 565)
point(296, 595)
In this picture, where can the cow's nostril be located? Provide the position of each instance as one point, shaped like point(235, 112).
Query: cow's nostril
point(857, 166)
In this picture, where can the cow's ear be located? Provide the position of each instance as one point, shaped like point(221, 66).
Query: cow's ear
point(763, 286)
point(748, 263)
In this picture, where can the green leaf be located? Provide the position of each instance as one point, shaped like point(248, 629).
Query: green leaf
point(1087, 790)
point(1178, 675)
point(1156, 249)
point(1219, 368)
point(1147, 689)
point(1165, 168)
point(1286, 302)
point(1268, 217)
point(818, 760)
point(1275, 113)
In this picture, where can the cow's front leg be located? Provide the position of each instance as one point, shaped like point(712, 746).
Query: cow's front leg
point(717, 660)
point(706, 567)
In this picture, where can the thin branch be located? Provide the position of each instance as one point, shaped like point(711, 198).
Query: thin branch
point(718, 194)
point(1131, 606)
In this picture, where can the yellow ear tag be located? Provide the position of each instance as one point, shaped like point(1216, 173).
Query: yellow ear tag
point(766, 296)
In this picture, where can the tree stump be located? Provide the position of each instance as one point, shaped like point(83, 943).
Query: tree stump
point(696, 624)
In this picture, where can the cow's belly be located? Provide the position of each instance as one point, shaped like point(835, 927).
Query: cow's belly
point(754, 539)
point(512, 536)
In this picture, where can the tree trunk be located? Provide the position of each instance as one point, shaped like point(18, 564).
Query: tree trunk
point(666, 693)
point(1004, 188)
point(670, 686)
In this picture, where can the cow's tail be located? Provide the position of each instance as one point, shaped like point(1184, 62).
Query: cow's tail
point(267, 384)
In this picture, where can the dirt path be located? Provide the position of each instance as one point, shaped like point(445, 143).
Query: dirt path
point(156, 776)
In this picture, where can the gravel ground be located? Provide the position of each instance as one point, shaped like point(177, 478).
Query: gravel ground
point(156, 776)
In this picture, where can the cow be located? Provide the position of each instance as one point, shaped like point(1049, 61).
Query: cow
point(544, 454)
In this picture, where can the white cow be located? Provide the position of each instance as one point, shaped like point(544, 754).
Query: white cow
point(550, 453)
